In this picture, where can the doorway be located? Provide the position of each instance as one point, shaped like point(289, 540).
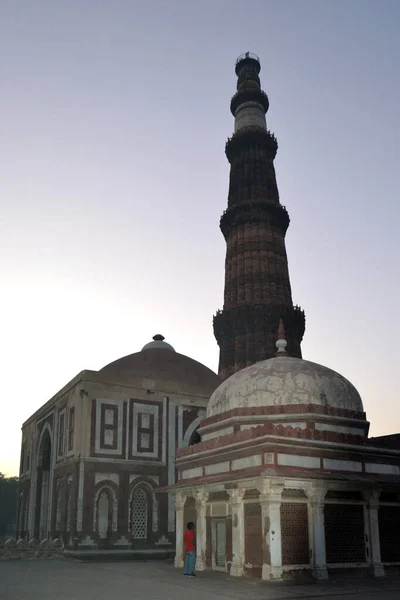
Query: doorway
point(219, 544)
point(41, 530)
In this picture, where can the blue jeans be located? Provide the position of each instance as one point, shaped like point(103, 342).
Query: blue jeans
point(190, 563)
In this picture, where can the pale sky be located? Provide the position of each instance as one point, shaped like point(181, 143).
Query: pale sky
point(114, 120)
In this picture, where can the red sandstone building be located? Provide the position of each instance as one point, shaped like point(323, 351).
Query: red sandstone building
point(93, 456)
point(280, 476)
point(285, 477)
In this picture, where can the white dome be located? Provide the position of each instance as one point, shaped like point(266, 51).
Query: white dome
point(284, 381)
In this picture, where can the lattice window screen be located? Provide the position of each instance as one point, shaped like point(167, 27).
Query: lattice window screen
point(139, 515)
point(294, 527)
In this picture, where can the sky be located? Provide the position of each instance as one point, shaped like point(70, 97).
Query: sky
point(113, 179)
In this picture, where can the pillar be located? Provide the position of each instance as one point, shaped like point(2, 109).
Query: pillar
point(180, 500)
point(237, 509)
point(201, 529)
point(316, 525)
point(270, 500)
point(372, 529)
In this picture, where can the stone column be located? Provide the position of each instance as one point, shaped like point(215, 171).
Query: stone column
point(201, 529)
point(270, 500)
point(237, 508)
point(372, 528)
point(316, 497)
point(180, 500)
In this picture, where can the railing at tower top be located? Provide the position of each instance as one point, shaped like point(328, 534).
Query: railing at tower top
point(247, 55)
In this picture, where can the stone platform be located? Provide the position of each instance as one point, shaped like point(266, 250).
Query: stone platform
point(159, 580)
point(119, 555)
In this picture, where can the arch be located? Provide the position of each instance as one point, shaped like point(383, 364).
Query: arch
point(43, 491)
point(21, 512)
point(139, 514)
point(112, 508)
point(46, 430)
point(59, 502)
point(103, 509)
point(195, 438)
point(142, 509)
point(69, 509)
point(26, 511)
point(190, 430)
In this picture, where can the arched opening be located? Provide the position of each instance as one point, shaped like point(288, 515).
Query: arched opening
point(195, 438)
point(190, 433)
point(139, 514)
point(21, 513)
point(43, 486)
point(103, 515)
point(69, 508)
point(26, 513)
point(143, 514)
point(59, 502)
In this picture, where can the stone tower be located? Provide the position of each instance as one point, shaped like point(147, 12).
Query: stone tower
point(257, 286)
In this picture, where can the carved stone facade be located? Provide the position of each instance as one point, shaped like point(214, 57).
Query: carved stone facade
point(288, 486)
point(95, 454)
point(257, 286)
point(265, 517)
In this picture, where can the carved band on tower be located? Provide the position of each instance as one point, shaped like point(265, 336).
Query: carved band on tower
point(257, 286)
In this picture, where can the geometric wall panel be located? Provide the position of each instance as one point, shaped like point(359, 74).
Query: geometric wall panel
point(108, 427)
point(145, 430)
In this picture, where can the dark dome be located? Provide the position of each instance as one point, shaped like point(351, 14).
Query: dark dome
point(169, 370)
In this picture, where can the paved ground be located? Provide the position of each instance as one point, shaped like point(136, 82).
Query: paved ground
point(59, 579)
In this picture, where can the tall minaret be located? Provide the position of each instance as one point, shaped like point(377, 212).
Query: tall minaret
point(257, 287)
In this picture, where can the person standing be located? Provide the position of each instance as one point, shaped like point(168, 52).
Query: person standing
point(189, 538)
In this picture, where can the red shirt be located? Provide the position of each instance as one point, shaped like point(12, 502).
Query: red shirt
point(190, 540)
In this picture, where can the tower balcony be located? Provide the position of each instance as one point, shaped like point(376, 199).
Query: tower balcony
point(250, 95)
point(248, 137)
point(254, 212)
point(247, 59)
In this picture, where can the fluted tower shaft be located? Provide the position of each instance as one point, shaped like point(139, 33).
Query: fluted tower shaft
point(257, 285)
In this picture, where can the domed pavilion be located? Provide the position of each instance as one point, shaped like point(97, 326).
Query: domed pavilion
point(285, 477)
point(94, 454)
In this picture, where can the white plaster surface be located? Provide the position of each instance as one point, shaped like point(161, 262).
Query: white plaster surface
point(219, 509)
point(294, 460)
point(163, 541)
point(382, 469)
point(249, 426)
point(87, 541)
point(246, 462)
point(122, 541)
point(250, 114)
point(103, 476)
point(269, 458)
point(190, 473)
point(284, 381)
point(342, 465)
point(218, 433)
point(222, 467)
point(134, 476)
point(339, 428)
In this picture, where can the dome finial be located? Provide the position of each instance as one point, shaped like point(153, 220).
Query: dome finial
point(158, 343)
point(281, 342)
point(158, 337)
